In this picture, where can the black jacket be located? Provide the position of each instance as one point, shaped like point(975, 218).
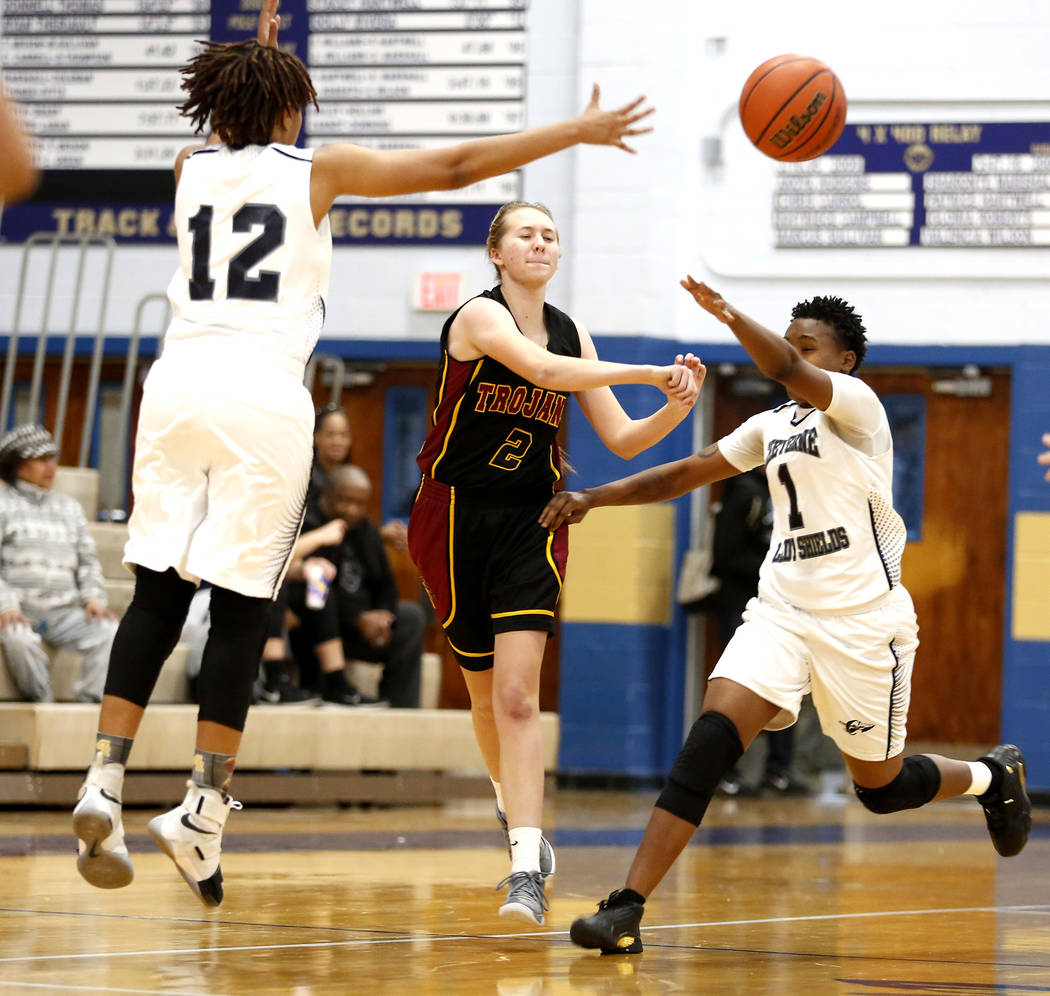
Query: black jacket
point(365, 579)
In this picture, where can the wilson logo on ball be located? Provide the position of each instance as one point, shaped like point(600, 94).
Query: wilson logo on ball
point(796, 125)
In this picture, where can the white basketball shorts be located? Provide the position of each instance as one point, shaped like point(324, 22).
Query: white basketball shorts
point(858, 668)
point(222, 463)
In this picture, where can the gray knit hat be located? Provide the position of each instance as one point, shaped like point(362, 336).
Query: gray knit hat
point(26, 443)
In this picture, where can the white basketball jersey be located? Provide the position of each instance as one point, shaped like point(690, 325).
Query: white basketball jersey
point(253, 268)
point(837, 540)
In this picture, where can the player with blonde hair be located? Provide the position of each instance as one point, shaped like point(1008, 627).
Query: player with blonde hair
point(509, 360)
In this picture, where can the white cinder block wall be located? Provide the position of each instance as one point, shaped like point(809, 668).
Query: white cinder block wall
point(632, 225)
point(640, 229)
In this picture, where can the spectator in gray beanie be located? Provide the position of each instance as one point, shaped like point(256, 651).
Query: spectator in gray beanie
point(51, 588)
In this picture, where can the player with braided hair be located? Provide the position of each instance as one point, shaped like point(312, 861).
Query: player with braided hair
point(225, 423)
point(244, 89)
point(831, 616)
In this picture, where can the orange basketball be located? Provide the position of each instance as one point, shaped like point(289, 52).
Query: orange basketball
point(793, 108)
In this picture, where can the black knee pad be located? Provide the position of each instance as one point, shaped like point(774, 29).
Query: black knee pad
point(148, 633)
point(711, 749)
point(230, 663)
point(915, 785)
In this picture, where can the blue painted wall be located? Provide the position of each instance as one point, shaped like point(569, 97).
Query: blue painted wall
point(1026, 663)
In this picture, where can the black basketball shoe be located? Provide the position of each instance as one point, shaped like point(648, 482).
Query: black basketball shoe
point(615, 928)
point(1007, 809)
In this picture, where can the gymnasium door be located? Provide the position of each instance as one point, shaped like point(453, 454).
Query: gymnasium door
point(951, 436)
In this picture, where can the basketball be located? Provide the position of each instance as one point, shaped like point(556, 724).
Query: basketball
point(793, 108)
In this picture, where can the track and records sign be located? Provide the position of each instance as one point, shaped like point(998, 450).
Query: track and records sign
point(97, 85)
point(964, 184)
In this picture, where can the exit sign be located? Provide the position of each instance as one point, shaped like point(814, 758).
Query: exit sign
point(436, 291)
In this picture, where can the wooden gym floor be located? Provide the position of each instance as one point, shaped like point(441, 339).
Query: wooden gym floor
point(779, 896)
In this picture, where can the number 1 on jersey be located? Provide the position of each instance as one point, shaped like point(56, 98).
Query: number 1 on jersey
point(794, 515)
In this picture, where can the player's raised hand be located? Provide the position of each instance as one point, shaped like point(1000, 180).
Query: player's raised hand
point(598, 127)
point(565, 506)
point(708, 299)
point(1044, 457)
point(269, 22)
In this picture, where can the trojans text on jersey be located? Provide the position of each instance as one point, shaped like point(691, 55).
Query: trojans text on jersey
point(535, 402)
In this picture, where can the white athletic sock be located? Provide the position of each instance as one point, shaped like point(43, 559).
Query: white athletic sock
point(524, 849)
point(981, 776)
point(499, 794)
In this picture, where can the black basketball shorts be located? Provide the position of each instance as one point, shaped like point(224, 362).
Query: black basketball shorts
point(487, 568)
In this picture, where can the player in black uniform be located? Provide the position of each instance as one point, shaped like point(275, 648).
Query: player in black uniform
point(490, 463)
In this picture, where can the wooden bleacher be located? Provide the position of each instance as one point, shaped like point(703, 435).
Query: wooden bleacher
point(290, 754)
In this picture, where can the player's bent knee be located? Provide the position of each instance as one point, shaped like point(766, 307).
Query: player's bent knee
point(712, 747)
point(916, 784)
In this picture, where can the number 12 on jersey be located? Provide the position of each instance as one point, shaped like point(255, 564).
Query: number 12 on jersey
point(239, 285)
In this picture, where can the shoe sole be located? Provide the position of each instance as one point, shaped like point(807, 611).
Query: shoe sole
point(165, 846)
point(519, 911)
point(102, 869)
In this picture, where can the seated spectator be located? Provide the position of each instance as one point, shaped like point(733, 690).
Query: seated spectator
point(372, 623)
point(313, 632)
point(277, 686)
point(51, 587)
point(332, 441)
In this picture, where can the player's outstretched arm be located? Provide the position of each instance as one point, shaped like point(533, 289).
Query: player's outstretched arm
point(350, 169)
point(485, 328)
point(773, 354)
point(668, 480)
point(626, 436)
point(18, 172)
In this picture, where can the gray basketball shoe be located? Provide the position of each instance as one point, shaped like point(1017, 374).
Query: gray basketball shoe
point(526, 899)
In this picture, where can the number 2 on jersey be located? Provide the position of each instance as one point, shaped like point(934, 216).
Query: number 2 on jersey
point(238, 284)
point(513, 450)
point(794, 515)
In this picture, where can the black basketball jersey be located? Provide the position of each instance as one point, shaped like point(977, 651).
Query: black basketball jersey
point(492, 432)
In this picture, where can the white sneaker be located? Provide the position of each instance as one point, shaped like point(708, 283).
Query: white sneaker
point(102, 857)
point(191, 835)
